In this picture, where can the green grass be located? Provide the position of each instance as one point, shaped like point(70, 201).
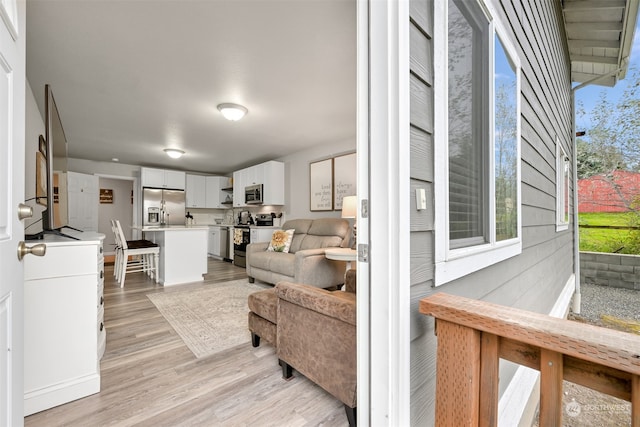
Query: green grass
point(608, 240)
point(617, 219)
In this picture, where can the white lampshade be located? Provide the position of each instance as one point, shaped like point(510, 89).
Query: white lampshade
point(233, 112)
point(349, 207)
point(174, 153)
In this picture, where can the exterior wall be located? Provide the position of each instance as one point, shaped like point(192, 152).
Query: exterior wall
point(534, 279)
point(615, 270)
point(423, 340)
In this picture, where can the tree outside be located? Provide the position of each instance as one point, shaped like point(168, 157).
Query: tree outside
point(612, 143)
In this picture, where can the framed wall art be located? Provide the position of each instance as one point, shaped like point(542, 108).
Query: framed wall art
point(321, 185)
point(344, 178)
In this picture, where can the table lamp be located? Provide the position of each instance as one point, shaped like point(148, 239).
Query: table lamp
point(350, 210)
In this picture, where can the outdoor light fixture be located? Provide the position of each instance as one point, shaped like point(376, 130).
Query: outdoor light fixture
point(233, 112)
point(174, 153)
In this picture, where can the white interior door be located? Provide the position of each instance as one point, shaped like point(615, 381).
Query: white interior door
point(12, 160)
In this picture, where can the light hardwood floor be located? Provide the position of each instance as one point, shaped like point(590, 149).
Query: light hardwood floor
point(150, 377)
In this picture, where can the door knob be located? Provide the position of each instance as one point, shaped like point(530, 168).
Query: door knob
point(38, 250)
point(24, 211)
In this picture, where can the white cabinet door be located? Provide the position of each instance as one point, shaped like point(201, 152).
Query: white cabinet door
point(196, 194)
point(83, 201)
point(273, 180)
point(160, 178)
point(174, 180)
point(152, 177)
point(238, 188)
point(214, 194)
point(214, 241)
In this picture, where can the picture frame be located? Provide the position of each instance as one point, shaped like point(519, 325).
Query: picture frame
point(106, 195)
point(41, 179)
point(344, 178)
point(321, 185)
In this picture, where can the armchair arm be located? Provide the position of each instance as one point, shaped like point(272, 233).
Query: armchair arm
point(341, 307)
point(313, 268)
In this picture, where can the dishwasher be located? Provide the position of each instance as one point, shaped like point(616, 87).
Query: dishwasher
point(218, 246)
point(224, 243)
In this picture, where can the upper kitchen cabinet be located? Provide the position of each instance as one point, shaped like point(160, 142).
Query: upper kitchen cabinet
point(196, 194)
point(269, 174)
point(161, 178)
point(216, 197)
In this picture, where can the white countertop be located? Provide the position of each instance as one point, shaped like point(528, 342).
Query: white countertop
point(82, 236)
point(172, 227)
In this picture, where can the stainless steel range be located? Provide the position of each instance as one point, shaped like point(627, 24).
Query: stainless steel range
point(242, 235)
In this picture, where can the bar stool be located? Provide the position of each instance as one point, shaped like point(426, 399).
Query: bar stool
point(145, 256)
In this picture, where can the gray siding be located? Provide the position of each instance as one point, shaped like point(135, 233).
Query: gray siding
point(422, 337)
point(532, 280)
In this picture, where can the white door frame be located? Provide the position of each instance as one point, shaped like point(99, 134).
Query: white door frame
point(12, 178)
point(383, 177)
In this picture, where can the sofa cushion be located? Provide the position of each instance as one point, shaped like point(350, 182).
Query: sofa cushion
point(313, 242)
point(264, 304)
point(283, 263)
point(262, 259)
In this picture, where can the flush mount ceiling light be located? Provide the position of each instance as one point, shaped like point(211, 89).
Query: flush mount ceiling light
point(174, 153)
point(232, 112)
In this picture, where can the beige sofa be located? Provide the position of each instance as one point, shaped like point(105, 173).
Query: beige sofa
point(305, 262)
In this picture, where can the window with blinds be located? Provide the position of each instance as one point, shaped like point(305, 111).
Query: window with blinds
point(480, 80)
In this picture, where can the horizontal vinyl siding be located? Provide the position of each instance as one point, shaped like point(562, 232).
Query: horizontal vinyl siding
point(534, 279)
point(423, 343)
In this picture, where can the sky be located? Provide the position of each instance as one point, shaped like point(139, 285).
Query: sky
point(589, 95)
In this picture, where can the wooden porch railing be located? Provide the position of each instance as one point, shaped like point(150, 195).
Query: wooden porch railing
point(473, 335)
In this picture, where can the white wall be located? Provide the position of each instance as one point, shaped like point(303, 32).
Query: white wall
point(120, 209)
point(103, 168)
point(297, 178)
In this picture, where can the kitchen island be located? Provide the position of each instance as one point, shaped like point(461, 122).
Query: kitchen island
point(183, 252)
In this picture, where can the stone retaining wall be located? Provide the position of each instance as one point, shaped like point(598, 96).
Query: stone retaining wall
point(616, 270)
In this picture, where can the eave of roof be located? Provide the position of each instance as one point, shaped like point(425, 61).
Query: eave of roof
point(599, 37)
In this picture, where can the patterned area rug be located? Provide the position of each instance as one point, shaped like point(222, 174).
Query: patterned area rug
point(211, 319)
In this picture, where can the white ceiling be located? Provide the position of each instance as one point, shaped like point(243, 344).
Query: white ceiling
point(133, 77)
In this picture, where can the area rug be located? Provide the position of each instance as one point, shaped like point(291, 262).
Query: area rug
point(209, 319)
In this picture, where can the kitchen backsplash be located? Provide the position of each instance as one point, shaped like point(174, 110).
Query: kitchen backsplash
point(228, 216)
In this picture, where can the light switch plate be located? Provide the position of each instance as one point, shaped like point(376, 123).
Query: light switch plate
point(421, 199)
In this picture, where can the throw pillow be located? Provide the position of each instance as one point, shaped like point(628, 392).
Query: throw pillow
point(281, 241)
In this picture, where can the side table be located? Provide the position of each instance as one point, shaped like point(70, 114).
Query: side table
point(342, 254)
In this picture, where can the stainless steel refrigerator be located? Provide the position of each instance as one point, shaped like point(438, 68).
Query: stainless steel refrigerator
point(163, 207)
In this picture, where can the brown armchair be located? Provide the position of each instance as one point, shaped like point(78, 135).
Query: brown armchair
point(316, 336)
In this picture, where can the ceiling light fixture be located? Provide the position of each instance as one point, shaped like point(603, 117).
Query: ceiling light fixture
point(174, 153)
point(233, 112)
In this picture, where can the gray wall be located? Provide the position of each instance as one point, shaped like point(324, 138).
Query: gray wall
point(615, 270)
point(423, 342)
point(534, 279)
point(120, 209)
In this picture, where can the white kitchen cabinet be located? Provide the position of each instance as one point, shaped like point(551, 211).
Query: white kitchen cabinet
point(196, 192)
point(214, 241)
point(64, 334)
point(238, 188)
point(83, 193)
point(269, 174)
point(215, 195)
point(273, 179)
point(161, 178)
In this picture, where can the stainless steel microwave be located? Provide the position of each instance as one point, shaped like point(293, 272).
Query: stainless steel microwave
point(253, 194)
